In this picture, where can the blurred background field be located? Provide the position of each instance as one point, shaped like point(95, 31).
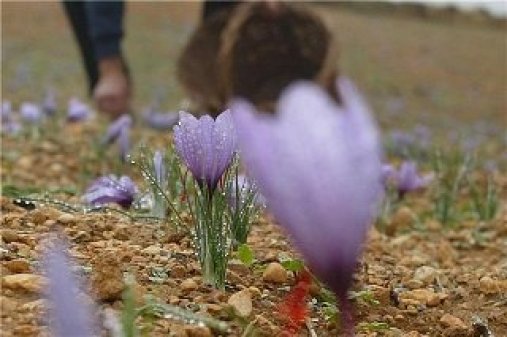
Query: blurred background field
point(439, 70)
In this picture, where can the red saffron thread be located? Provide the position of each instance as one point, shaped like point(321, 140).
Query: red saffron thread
point(293, 310)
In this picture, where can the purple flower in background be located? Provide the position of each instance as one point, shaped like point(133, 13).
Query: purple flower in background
point(318, 166)
point(244, 186)
point(160, 120)
point(77, 111)
point(110, 189)
point(69, 315)
point(206, 146)
point(9, 125)
point(49, 105)
point(408, 179)
point(388, 172)
point(31, 112)
point(119, 131)
point(159, 168)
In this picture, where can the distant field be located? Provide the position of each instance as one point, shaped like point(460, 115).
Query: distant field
point(412, 70)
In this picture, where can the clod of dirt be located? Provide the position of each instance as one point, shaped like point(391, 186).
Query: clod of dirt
point(107, 277)
point(422, 296)
point(403, 219)
point(188, 285)
point(489, 286)
point(241, 302)
point(275, 273)
point(198, 331)
point(18, 266)
point(426, 274)
point(25, 282)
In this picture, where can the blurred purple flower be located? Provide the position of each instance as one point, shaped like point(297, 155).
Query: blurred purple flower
point(206, 146)
point(388, 172)
point(159, 168)
point(6, 110)
point(49, 105)
point(110, 189)
point(77, 111)
point(160, 120)
point(69, 315)
point(9, 125)
point(318, 166)
point(244, 186)
point(31, 112)
point(408, 179)
point(119, 131)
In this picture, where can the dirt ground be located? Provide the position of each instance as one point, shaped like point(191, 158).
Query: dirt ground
point(416, 278)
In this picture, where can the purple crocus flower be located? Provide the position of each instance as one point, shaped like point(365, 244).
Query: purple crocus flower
point(6, 110)
point(318, 166)
point(69, 316)
point(31, 112)
point(110, 189)
point(388, 172)
point(159, 168)
point(159, 120)
point(49, 105)
point(77, 111)
point(9, 126)
point(119, 131)
point(408, 179)
point(206, 146)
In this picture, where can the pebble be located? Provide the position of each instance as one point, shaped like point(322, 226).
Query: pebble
point(66, 219)
point(188, 285)
point(18, 266)
point(426, 274)
point(198, 331)
point(241, 302)
point(275, 273)
point(422, 296)
point(9, 235)
point(178, 271)
point(26, 282)
point(402, 219)
point(7, 305)
point(448, 320)
point(151, 250)
point(489, 286)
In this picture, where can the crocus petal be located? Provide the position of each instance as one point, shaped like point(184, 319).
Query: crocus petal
point(110, 189)
point(114, 130)
point(318, 166)
point(408, 178)
point(206, 146)
point(6, 110)
point(69, 316)
point(31, 112)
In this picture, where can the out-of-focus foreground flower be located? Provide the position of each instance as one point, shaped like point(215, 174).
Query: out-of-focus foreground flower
point(110, 189)
point(206, 146)
point(318, 166)
point(69, 315)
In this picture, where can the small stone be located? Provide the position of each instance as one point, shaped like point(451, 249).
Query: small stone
point(426, 274)
point(241, 302)
point(414, 284)
point(489, 286)
point(213, 308)
point(254, 291)
point(8, 236)
point(7, 305)
point(404, 218)
point(151, 250)
point(421, 296)
point(188, 285)
point(178, 271)
point(198, 331)
point(449, 320)
point(434, 225)
point(275, 273)
point(66, 219)
point(18, 266)
point(27, 282)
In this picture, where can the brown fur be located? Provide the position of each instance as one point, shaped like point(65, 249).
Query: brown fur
point(255, 52)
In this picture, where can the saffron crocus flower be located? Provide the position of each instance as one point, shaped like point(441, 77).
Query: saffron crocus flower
point(318, 166)
point(110, 189)
point(6, 110)
point(119, 131)
point(31, 112)
point(160, 120)
point(49, 103)
point(206, 146)
point(408, 178)
point(388, 172)
point(9, 125)
point(69, 315)
point(77, 111)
